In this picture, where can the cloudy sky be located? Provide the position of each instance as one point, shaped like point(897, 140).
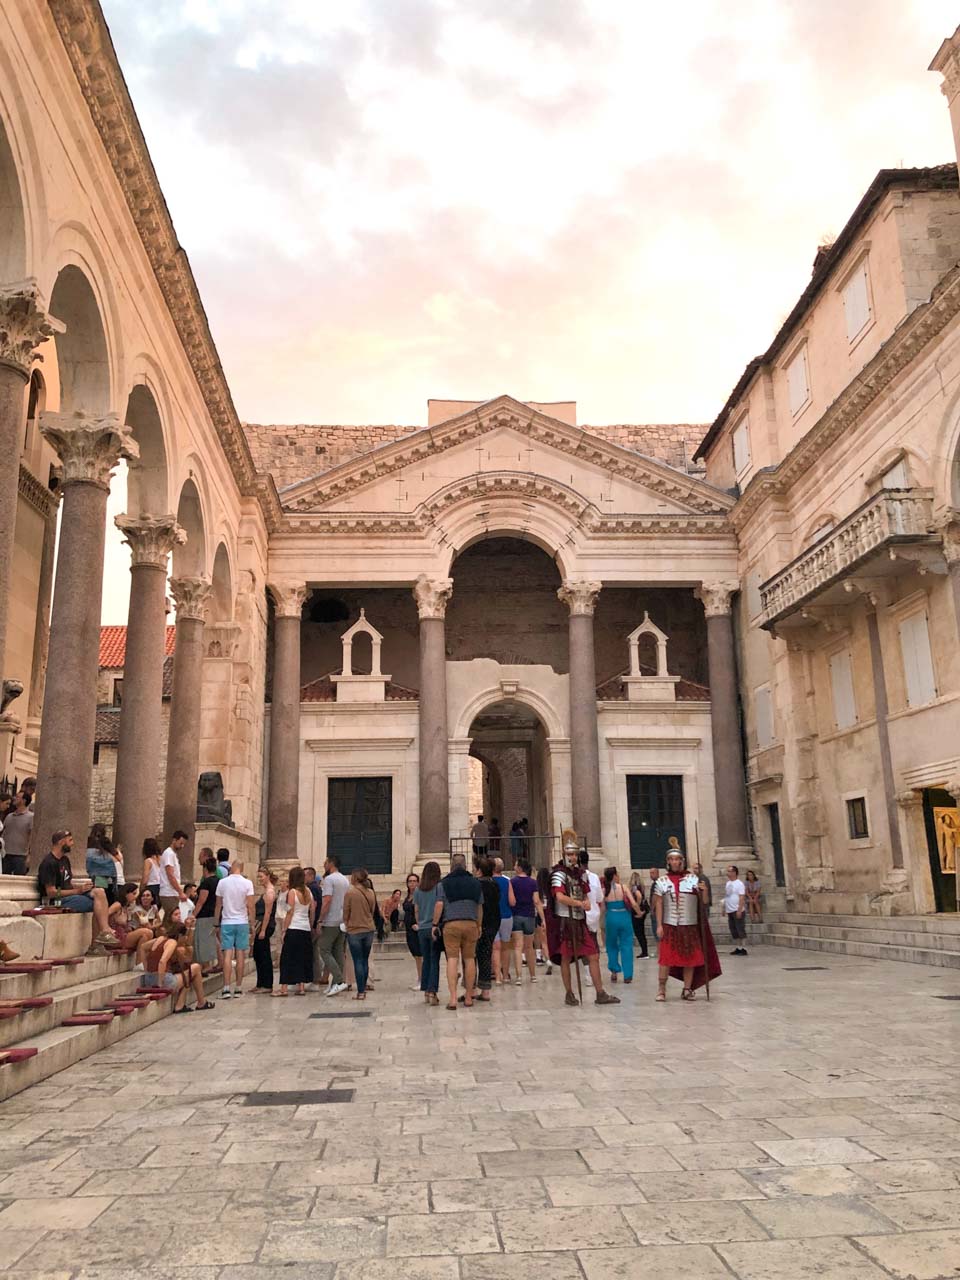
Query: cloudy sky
point(600, 200)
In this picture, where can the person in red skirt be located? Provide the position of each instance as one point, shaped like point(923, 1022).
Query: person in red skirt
point(683, 929)
point(570, 891)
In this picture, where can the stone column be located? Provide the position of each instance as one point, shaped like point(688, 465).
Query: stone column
point(23, 326)
point(432, 595)
point(283, 795)
point(581, 599)
point(183, 732)
point(41, 633)
point(89, 449)
point(883, 737)
point(151, 539)
point(733, 832)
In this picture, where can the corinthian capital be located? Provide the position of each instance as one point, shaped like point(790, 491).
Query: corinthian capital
point(432, 596)
point(288, 598)
point(716, 596)
point(150, 538)
point(947, 62)
point(24, 324)
point(580, 597)
point(89, 448)
point(190, 596)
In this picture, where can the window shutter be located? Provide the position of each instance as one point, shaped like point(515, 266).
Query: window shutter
point(741, 447)
point(917, 660)
point(763, 706)
point(841, 680)
point(856, 302)
point(895, 477)
point(798, 383)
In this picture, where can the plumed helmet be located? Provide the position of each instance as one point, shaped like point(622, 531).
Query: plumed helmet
point(571, 841)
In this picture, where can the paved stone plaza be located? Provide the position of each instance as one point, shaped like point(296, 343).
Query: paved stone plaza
point(805, 1124)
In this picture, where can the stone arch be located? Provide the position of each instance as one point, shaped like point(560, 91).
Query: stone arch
point(822, 524)
point(945, 464)
point(190, 559)
point(527, 697)
point(83, 361)
point(147, 477)
point(221, 594)
point(13, 223)
point(505, 504)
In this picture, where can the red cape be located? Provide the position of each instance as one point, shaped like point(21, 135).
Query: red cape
point(713, 969)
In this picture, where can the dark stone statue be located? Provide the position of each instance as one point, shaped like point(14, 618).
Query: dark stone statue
point(212, 806)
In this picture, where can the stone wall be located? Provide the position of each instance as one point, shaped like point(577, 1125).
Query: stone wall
point(293, 453)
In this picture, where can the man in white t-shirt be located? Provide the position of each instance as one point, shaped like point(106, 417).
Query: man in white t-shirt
point(592, 914)
point(734, 897)
point(171, 885)
point(233, 919)
point(329, 939)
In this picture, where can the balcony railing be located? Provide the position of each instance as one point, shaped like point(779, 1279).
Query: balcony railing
point(891, 516)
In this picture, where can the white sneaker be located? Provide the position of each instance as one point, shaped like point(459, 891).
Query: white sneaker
point(416, 988)
point(226, 994)
point(586, 979)
point(337, 988)
point(549, 968)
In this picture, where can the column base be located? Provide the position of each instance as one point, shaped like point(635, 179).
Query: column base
point(735, 854)
point(421, 860)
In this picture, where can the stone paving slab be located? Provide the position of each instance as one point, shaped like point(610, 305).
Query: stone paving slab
point(801, 1125)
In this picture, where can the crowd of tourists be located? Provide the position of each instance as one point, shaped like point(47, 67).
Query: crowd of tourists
point(480, 929)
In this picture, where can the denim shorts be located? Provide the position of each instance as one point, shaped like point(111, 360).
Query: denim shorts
point(525, 924)
point(82, 903)
point(506, 928)
point(234, 937)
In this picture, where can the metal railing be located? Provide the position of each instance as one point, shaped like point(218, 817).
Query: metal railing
point(539, 851)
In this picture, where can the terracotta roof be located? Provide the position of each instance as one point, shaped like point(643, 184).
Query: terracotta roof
point(324, 690)
point(108, 726)
point(113, 646)
point(613, 690)
point(940, 177)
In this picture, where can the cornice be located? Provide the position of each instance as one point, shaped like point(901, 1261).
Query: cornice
point(504, 413)
point(492, 488)
point(87, 42)
point(36, 494)
point(906, 343)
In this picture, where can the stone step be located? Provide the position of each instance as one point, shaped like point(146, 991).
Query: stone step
point(66, 1002)
point(874, 950)
point(944, 924)
point(903, 937)
point(15, 986)
point(61, 1047)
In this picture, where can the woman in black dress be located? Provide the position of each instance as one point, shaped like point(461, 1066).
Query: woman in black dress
point(266, 920)
point(410, 925)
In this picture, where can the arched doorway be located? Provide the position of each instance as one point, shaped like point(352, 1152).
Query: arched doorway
point(510, 742)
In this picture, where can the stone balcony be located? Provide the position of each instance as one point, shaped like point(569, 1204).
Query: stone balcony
point(886, 536)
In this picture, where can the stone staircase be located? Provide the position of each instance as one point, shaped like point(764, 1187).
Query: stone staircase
point(64, 984)
point(932, 940)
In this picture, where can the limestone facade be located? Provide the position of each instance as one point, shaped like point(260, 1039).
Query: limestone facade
point(632, 627)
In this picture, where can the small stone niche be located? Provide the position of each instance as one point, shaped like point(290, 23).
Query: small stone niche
point(661, 687)
point(369, 687)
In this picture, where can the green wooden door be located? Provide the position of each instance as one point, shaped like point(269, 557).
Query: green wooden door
point(654, 813)
point(360, 823)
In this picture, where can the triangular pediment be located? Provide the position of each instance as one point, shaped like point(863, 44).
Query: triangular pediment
point(503, 445)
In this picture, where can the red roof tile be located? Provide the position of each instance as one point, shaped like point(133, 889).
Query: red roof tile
point(324, 690)
point(113, 645)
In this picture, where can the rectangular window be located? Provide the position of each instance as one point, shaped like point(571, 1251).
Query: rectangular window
point(856, 302)
point(841, 682)
point(741, 446)
point(763, 706)
point(857, 818)
point(96, 753)
point(118, 692)
point(917, 660)
point(798, 381)
point(895, 477)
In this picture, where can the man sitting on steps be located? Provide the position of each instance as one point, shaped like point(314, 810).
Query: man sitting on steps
point(58, 888)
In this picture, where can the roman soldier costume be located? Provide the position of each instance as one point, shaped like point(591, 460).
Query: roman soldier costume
point(569, 879)
point(687, 942)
